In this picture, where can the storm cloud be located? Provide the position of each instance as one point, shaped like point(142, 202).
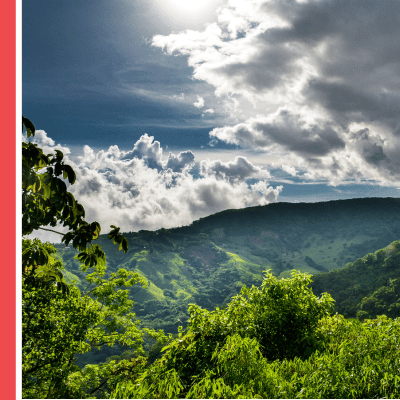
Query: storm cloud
point(302, 78)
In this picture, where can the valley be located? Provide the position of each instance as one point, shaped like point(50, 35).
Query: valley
point(208, 262)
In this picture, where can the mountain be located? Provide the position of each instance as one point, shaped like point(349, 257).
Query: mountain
point(208, 261)
point(367, 287)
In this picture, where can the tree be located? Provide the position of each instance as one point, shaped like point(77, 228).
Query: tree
point(225, 347)
point(46, 201)
point(384, 301)
point(58, 321)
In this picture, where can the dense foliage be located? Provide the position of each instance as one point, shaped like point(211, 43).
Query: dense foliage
point(276, 341)
point(209, 261)
point(367, 287)
point(60, 321)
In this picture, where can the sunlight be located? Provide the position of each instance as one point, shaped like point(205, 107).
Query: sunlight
point(187, 11)
point(185, 6)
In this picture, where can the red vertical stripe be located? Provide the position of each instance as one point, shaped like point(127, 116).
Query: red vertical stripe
point(8, 197)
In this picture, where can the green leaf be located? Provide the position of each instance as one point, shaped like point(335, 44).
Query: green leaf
point(69, 173)
point(125, 244)
point(30, 128)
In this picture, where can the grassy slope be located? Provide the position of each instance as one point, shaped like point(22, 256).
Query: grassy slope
point(208, 262)
point(215, 255)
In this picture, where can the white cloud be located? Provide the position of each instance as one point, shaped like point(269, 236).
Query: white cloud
point(297, 76)
point(46, 143)
point(42, 139)
point(143, 189)
point(289, 169)
point(269, 193)
point(146, 149)
point(199, 103)
point(181, 97)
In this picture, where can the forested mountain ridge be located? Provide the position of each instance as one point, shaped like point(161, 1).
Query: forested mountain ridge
point(209, 261)
point(367, 287)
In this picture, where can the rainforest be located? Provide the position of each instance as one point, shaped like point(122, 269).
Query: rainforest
point(278, 301)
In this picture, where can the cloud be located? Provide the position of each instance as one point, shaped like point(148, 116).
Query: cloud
point(136, 196)
point(209, 111)
point(382, 155)
point(46, 143)
point(42, 139)
point(289, 169)
point(199, 103)
point(238, 170)
point(285, 130)
point(145, 151)
point(177, 163)
point(269, 193)
point(144, 189)
point(181, 97)
point(299, 75)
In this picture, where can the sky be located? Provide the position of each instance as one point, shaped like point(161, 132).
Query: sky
point(172, 110)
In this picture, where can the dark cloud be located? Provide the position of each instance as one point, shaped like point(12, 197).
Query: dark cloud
point(290, 132)
point(239, 169)
point(179, 162)
point(286, 130)
point(315, 73)
point(265, 70)
point(376, 153)
point(92, 185)
point(351, 104)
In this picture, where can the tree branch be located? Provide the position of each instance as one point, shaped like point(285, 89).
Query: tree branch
point(51, 230)
point(98, 387)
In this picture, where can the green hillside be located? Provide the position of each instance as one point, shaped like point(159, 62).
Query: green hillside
point(366, 288)
point(264, 344)
point(209, 261)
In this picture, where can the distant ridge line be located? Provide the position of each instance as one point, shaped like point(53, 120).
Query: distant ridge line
point(363, 201)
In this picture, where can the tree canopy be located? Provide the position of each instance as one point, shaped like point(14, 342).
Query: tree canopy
point(59, 321)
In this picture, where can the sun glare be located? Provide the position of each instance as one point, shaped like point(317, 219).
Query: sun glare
point(188, 6)
point(186, 11)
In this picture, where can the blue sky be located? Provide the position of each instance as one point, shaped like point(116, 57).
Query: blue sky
point(91, 76)
point(173, 110)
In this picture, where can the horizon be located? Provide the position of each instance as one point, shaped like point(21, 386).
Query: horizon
point(246, 208)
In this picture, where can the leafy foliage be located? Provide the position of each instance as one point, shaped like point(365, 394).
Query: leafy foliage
point(367, 287)
point(355, 360)
point(40, 266)
point(278, 320)
point(59, 324)
point(46, 201)
point(209, 261)
point(53, 327)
